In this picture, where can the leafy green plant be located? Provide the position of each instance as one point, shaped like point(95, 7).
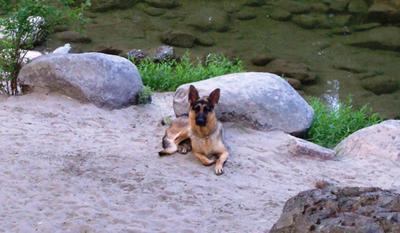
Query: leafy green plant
point(168, 75)
point(332, 126)
point(27, 23)
point(145, 95)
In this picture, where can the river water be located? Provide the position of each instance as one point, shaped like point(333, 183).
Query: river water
point(351, 49)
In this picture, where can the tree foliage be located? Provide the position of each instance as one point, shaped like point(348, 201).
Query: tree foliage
point(25, 24)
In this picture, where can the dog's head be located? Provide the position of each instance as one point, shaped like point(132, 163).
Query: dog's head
point(202, 109)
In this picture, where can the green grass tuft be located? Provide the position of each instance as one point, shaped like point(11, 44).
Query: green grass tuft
point(168, 75)
point(330, 127)
point(145, 95)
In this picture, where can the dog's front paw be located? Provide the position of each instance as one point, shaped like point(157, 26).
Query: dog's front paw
point(219, 170)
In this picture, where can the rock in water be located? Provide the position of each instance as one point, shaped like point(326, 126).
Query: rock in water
point(178, 38)
point(341, 210)
point(381, 84)
point(209, 19)
point(385, 38)
point(291, 69)
point(72, 36)
point(105, 80)
point(167, 4)
point(383, 13)
point(381, 140)
point(106, 5)
point(262, 100)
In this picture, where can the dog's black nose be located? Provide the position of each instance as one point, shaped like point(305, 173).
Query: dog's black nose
point(200, 121)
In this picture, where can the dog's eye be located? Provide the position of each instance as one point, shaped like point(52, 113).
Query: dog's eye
point(197, 108)
point(207, 109)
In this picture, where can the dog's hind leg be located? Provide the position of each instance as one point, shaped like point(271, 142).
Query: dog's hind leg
point(172, 144)
point(169, 146)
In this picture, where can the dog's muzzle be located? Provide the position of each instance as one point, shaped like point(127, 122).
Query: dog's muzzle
point(201, 120)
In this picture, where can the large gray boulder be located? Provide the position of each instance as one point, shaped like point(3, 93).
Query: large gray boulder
point(380, 140)
point(106, 80)
point(341, 210)
point(261, 100)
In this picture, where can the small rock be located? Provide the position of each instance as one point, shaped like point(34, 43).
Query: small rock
point(137, 55)
point(350, 68)
point(254, 3)
point(380, 84)
point(300, 147)
point(338, 5)
point(174, 15)
point(305, 21)
point(262, 59)
point(341, 31)
point(383, 13)
point(107, 5)
point(319, 7)
point(178, 38)
point(163, 53)
point(209, 19)
point(60, 28)
point(364, 27)
point(153, 11)
point(205, 40)
point(341, 20)
point(296, 84)
point(291, 69)
point(385, 38)
point(280, 14)
point(294, 7)
point(357, 7)
point(108, 50)
point(167, 4)
point(232, 6)
point(246, 14)
point(72, 36)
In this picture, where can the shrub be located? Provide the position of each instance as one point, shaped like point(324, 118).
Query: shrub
point(332, 126)
point(168, 75)
point(145, 95)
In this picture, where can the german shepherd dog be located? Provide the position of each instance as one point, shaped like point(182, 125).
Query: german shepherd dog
point(201, 132)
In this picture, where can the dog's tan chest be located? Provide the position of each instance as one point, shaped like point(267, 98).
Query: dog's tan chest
point(208, 145)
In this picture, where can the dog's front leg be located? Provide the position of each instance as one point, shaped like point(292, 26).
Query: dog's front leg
point(203, 159)
point(219, 166)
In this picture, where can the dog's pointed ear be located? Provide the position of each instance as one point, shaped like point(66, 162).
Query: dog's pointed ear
point(214, 96)
point(193, 95)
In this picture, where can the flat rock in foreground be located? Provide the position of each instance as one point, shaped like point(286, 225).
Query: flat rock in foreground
point(341, 210)
point(106, 80)
point(262, 100)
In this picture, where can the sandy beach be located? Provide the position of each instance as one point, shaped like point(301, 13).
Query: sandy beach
point(67, 166)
